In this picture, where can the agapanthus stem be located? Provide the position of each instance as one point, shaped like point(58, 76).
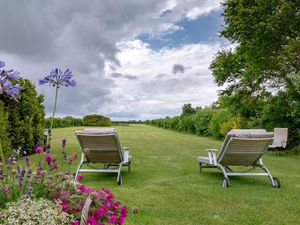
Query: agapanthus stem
point(55, 102)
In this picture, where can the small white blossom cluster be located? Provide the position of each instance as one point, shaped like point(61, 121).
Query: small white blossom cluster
point(34, 212)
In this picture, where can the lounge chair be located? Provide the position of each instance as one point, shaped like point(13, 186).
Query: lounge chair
point(280, 138)
point(240, 148)
point(102, 146)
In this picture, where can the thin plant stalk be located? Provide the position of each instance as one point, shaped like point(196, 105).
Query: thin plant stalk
point(3, 161)
point(55, 103)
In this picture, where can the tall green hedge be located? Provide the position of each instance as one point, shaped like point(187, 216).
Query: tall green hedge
point(22, 122)
point(64, 122)
point(96, 120)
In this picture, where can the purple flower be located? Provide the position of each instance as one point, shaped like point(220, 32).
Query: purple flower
point(58, 77)
point(48, 147)
point(27, 161)
point(63, 143)
point(8, 78)
point(2, 64)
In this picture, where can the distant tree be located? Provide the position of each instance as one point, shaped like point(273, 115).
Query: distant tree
point(187, 109)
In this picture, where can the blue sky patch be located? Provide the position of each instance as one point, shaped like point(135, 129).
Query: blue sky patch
point(204, 29)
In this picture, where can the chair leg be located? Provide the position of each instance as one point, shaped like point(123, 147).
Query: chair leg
point(224, 174)
point(129, 167)
point(200, 167)
point(268, 172)
point(79, 167)
point(119, 173)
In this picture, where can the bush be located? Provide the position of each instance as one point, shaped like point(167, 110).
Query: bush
point(202, 120)
point(219, 117)
point(25, 119)
point(34, 212)
point(96, 120)
point(64, 122)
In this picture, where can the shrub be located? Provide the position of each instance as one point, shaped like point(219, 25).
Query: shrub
point(96, 120)
point(202, 120)
point(219, 117)
point(64, 122)
point(25, 119)
point(34, 212)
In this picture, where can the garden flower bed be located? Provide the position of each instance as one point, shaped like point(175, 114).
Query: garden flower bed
point(30, 193)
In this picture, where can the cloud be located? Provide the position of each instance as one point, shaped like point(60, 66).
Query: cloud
point(178, 68)
point(116, 73)
point(157, 94)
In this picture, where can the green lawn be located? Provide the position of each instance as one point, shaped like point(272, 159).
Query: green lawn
point(167, 188)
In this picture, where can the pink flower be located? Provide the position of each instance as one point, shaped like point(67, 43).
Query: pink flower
point(39, 149)
point(65, 206)
point(67, 193)
point(79, 177)
point(91, 221)
point(112, 219)
point(75, 222)
point(82, 188)
point(121, 220)
point(124, 211)
point(49, 158)
point(70, 161)
point(74, 156)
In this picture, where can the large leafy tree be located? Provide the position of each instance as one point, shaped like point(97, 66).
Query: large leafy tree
point(262, 73)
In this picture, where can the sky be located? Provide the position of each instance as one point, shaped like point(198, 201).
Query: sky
point(131, 59)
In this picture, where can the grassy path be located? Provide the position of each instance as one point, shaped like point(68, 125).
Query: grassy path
point(166, 186)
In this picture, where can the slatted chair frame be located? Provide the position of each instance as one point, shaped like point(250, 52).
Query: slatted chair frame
point(102, 146)
point(240, 151)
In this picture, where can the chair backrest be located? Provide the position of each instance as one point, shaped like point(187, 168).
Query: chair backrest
point(100, 145)
point(280, 137)
point(244, 147)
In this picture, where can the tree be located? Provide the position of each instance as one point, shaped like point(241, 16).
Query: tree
point(187, 109)
point(264, 67)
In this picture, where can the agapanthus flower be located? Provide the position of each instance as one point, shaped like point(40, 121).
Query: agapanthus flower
point(58, 77)
point(7, 80)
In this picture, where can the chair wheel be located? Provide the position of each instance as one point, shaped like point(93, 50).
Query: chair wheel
point(225, 183)
point(277, 183)
point(120, 181)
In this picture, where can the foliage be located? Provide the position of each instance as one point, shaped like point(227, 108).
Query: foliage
point(262, 73)
point(34, 212)
point(187, 109)
point(64, 122)
point(96, 120)
point(50, 179)
point(25, 119)
point(202, 120)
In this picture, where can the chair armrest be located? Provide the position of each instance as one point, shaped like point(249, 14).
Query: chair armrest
point(126, 154)
point(212, 156)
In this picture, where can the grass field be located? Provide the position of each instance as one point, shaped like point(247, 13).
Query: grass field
point(166, 186)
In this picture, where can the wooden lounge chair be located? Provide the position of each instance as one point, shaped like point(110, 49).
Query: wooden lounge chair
point(102, 146)
point(280, 139)
point(240, 148)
